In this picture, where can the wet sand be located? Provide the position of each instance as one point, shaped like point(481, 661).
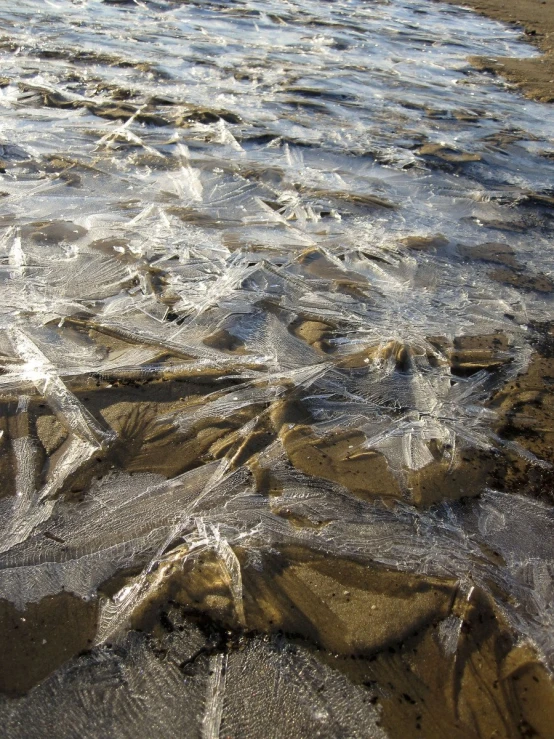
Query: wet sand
point(535, 77)
point(431, 656)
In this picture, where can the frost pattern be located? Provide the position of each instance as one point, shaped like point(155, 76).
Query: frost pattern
point(263, 689)
point(242, 246)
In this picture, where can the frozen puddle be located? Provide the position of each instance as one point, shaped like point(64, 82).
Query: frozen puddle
point(275, 350)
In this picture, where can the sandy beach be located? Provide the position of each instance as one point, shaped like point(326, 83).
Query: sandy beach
point(535, 77)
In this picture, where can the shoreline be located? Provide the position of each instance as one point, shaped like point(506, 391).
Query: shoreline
point(534, 77)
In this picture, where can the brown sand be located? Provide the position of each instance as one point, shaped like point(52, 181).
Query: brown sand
point(535, 77)
point(380, 627)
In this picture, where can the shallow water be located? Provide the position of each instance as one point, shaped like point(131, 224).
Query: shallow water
point(276, 283)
